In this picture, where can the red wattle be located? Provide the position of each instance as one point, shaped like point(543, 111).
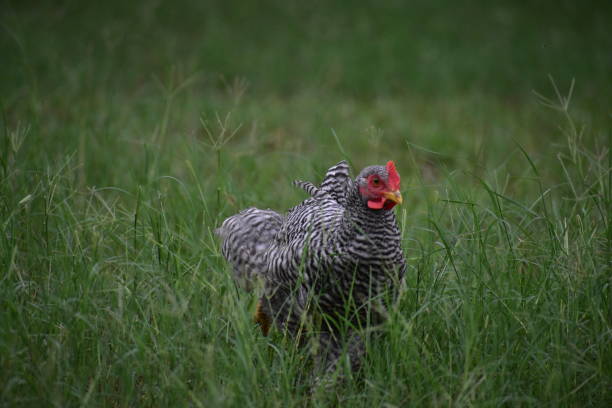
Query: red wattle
point(389, 204)
point(376, 204)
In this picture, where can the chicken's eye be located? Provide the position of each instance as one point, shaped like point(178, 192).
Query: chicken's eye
point(376, 181)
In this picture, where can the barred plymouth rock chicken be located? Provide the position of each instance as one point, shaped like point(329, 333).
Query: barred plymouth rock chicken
point(326, 262)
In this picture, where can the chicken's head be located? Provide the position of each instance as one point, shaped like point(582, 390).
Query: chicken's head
point(379, 186)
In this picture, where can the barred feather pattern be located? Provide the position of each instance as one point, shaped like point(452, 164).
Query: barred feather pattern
point(329, 256)
point(334, 184)
point(245, 239)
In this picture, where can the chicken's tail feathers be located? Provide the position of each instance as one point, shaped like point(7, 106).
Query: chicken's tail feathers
point(335, 181)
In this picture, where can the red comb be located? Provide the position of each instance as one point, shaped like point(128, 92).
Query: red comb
point(394, 178)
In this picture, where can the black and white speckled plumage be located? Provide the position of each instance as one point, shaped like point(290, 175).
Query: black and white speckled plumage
point(330, 256)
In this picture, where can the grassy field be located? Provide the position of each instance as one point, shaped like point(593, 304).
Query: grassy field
point(129, 132)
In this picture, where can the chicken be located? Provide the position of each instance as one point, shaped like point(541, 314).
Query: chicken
point(324, 263)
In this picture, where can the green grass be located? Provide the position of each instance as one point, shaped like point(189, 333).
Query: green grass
point(128, 133)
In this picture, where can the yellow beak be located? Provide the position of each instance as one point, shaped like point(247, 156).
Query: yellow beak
point(394, 196)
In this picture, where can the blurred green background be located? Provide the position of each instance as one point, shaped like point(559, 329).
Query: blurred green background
point(360, 49)
point(456, 78)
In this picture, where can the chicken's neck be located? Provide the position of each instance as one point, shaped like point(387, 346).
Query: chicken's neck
point(359, 219)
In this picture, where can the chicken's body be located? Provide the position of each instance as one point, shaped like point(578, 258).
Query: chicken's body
point(330, 256)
